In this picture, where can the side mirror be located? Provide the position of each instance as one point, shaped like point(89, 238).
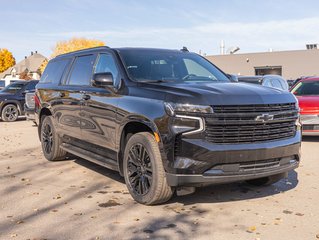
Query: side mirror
point(102, 79)
point(232, 77)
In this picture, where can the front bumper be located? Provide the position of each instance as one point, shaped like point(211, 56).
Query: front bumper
point(310, 124)
point(215, 164)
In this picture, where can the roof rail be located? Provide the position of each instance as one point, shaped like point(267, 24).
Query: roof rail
point(82, 50)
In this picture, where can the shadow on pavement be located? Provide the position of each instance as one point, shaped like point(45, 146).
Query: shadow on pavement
point(215, 193)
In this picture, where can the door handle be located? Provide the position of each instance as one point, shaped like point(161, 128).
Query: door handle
point(86, 97)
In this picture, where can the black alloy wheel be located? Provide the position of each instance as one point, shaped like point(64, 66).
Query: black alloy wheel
point(139, 169)
point(47, 138)
point(50, 140)
point(143, 170)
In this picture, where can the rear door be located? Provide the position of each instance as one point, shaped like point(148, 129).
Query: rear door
point(68, 106)
point(99, 108)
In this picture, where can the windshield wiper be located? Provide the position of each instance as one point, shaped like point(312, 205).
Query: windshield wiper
point(195, 77)
point(157, 81)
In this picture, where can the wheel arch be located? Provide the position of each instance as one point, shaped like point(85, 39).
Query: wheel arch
point(130, 128)
point(14, 102)
point(44, 112)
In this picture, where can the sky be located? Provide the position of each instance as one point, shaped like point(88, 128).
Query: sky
point(200, 25)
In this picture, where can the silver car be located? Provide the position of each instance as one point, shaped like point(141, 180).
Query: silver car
point(274, 81)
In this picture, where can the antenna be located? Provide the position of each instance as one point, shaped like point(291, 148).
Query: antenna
point(184, 49)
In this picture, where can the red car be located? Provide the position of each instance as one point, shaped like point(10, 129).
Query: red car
point(307, 92)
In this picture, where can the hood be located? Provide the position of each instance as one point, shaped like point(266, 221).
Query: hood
point(219, 93)
point(308, 104)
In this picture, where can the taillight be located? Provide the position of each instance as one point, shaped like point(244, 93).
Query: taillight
point(36, 101)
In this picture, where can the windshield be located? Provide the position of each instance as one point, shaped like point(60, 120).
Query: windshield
point(13, 88)
point(306, 89)
point(146, 65)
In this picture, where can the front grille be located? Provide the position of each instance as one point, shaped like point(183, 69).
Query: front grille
point(238, 124)
point(260, 165)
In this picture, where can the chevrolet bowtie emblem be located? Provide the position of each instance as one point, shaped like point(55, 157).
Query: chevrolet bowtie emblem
point(264, 117)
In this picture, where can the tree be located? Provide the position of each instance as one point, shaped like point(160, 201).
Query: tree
point(6, 59)
point(42, 67)
point(71, 45)
point(75, 44)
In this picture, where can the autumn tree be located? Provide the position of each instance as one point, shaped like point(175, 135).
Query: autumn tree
point(71, 45)
point(75, 44)
point(42, 67)
point(6, 59)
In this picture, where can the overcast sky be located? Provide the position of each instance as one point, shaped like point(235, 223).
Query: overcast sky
point(252, 25)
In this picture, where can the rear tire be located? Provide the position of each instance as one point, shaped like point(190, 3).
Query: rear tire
point(10, 113)
point(50, 141)
point(144, 173)
point(265, 181)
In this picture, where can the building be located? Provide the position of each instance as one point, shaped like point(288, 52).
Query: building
point(29, 65)
point(289, 64)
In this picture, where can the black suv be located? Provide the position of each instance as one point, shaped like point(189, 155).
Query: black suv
point(166, 120)
point(12, 99)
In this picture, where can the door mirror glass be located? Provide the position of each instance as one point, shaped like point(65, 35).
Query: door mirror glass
point(102, 79)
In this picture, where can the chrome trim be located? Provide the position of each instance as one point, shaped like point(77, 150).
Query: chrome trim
point(199, 119)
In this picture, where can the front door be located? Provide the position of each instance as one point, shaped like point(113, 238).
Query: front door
point(98, 112)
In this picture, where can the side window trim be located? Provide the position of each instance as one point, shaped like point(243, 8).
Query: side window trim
point(66, 73)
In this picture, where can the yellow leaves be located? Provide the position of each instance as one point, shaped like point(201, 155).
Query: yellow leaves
point(71, 45)
point(75, 44)
point(43, 65)
point(251, 229)
point(6, 59)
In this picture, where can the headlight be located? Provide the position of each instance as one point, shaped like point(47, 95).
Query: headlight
point(178, 108)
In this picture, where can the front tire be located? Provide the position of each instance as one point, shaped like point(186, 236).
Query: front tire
point(144, 173)
point(50, 141)
point(10, 113)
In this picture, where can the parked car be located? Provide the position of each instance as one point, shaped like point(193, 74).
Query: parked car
point(307, 92)
point(291, 82)
point(166, 120)
point(274, 81)
point(12, 99)
point(29, 106)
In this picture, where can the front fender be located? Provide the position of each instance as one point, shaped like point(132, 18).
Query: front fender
point(150, 113)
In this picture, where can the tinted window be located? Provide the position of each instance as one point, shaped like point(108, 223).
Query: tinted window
point(31, 86)
point(106, 63)
point(82, 70)
point(54, 71)
point(146, 64)
point(195, 68)
point(306, 88)
point(13, 87)
point(2, 84)
point(276, 84)
point(267, 82)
